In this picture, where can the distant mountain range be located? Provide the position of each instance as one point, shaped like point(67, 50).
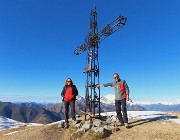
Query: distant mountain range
point(26, 114)
point(161, 107)
point(149, 106)
point(31, 112)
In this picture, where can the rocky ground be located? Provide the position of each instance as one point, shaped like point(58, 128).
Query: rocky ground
point(139, 130)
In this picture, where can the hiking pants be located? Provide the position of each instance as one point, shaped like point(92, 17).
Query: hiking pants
point(66, 112)
point(121, 106)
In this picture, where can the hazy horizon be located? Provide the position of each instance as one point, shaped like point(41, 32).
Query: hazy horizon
point(58, 99)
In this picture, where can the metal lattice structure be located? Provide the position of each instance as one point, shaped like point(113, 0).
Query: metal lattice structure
point(91, 45)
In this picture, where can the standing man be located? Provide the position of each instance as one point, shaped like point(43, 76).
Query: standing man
point(121, 95)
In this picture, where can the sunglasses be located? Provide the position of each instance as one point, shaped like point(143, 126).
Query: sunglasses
point(68, 81)
point(115, 77)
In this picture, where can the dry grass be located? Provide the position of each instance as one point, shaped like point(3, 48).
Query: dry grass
point(140, 130)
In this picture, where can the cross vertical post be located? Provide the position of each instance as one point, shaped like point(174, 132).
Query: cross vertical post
point(92, 70)
point(91, 44)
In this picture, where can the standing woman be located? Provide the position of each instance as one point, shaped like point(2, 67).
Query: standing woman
point(69, 94)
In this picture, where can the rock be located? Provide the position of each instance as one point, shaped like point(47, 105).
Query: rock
point(61, 124)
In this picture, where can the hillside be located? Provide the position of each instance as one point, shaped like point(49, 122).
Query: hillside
point(141, 129)
point(27, 114)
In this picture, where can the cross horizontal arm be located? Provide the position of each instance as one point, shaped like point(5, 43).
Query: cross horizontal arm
point(110, 28)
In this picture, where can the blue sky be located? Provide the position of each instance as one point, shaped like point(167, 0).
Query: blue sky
point(38, 37)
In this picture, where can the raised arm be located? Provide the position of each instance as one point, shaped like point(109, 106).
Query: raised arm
point(105, 85)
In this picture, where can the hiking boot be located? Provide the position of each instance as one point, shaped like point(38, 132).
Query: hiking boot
point(120, 123)
point(126, 125)
point(66, 125)
point(74, 122)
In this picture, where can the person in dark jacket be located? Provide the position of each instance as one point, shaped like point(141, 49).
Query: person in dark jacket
point(121, 96)
point(69, 94)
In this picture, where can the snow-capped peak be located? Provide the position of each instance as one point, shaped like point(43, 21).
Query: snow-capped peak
point(108, 99)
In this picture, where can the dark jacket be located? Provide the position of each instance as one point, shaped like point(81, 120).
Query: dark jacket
point(74, 91)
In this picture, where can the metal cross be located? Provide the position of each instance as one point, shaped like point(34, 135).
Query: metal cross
point(91, 45)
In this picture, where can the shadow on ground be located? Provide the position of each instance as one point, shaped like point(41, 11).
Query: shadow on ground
point(151, 119)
